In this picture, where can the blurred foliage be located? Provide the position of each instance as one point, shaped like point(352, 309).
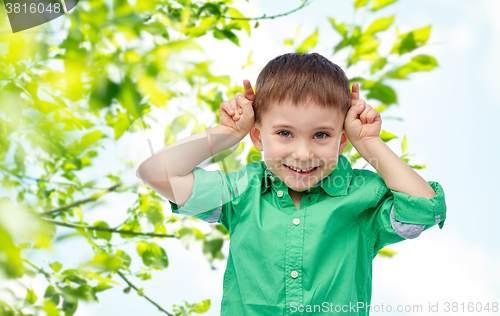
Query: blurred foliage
point(64, 98)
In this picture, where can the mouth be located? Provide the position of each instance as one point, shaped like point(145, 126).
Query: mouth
point(302, 173)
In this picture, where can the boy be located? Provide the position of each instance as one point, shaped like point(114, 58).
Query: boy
point(304, 226)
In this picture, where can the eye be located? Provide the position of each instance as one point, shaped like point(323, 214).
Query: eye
point(285, 133)
point(321, 133)
point(279, 133)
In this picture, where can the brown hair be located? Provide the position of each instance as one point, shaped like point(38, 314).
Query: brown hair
point(301, 78)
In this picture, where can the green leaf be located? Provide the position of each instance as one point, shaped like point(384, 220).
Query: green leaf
point(102, 234)
point(343, 43)
point(78, 211)
point(30, 297)
point(143, 275)
point(360, 3)
point(205, 24)
point(403, 145)
point(407, 42)
point(386, 136)
point(122, 124)
point(339, 27)
point(69, 307)
point(308, 43)
point(101, 286)
point(129, 98)
point(20, 157)
point(188, 236)
point(51, 295)
point(132, 225)
point(379, 4)
point(212, 245)
point(56, 266)
point(152, 255)
point(90, 139)
point(379, 25)
point(381, 92)
point(378, 65)
point(243, 23)
point(124, 258)
point(225, 80)
point(386, 252)
point(201, 307)
point(211, 8)
point(381, 108)
point(179, 124)
point(155, 214)
point(51, 309)
point(103, 261)
point(417, 63)
point(249, 61)
point(169, 136)
point(418, 166)
point(164, 51)
point(365, 48)
point(224, 33)
point(102, 92)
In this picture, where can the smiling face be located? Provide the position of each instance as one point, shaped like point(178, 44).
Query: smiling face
point(303, 137)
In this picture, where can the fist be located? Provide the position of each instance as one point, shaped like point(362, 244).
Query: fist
point(362, 123)
point(237, 113)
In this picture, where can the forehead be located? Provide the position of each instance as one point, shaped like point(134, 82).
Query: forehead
point(304, 116)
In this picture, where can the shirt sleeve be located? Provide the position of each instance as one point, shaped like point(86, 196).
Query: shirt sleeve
point(398, 216)
point(212, 199)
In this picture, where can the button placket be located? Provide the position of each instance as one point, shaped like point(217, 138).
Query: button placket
point(294, 257)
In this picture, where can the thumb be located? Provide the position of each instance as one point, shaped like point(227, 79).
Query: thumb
point(241, 100)
point(354, 111)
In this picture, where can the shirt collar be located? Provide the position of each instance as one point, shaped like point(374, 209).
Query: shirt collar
point(335, 184)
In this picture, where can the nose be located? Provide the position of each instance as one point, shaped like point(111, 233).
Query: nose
point(302, 152)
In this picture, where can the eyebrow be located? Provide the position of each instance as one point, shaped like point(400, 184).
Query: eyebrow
point(290, 127)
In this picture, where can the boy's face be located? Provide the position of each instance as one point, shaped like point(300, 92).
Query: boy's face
point(301, 137)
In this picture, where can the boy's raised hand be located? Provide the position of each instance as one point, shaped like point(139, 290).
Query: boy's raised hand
point(362, 123)
point(237, 113)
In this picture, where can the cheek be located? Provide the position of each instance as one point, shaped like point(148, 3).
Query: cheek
point(275, 153)
point(328, 155)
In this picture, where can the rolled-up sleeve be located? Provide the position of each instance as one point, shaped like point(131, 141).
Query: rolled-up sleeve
point(399, 216)
point(211, 200)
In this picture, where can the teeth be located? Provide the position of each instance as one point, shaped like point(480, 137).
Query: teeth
point(300, 170)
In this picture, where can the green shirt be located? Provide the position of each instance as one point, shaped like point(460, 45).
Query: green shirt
point(313, 261)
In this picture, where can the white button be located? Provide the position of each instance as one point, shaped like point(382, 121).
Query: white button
point(294, 274)
point(280, 193)
point(296, 221)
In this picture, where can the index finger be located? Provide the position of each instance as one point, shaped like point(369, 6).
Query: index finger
point(355, 91)
point(248, 90)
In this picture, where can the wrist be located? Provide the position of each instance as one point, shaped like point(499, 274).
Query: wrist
point(367, 146)
point(222, 129)
point(221, 138)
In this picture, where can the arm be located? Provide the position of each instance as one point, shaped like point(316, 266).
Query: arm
point(170, 170)
point(397, 175)
point(362, 126)
point(406, 203)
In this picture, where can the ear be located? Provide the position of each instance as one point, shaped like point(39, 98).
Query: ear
point(343, 143)
point(256, 138)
